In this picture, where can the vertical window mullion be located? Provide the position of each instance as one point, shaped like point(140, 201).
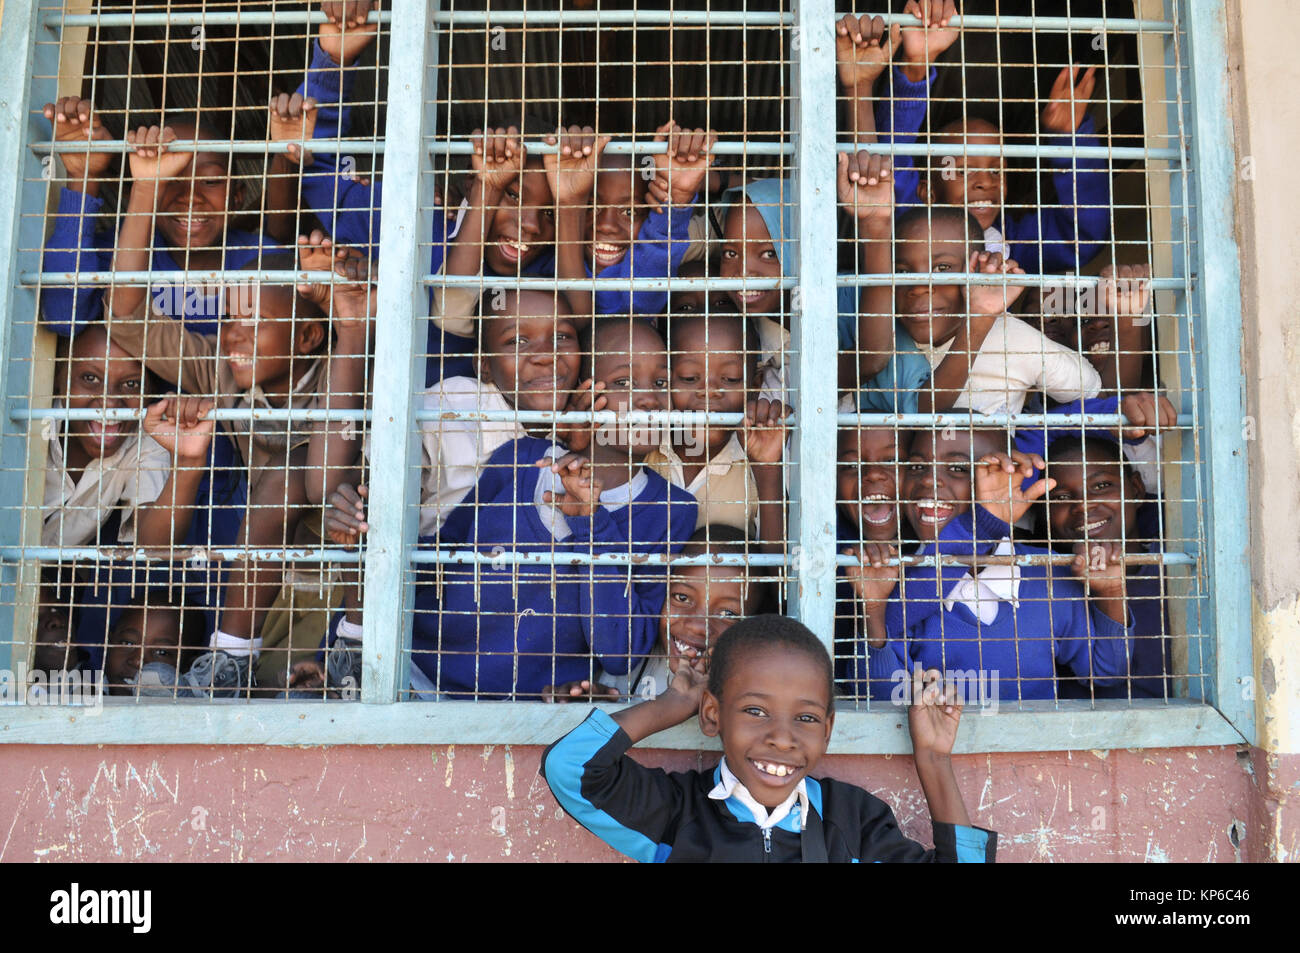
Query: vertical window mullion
point(399, 344)
point(813, 316)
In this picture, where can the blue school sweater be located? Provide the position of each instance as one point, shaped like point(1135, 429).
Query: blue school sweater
point(1021, 647)
point(516, 629)
point(1041, 240)
point(660, 245)
point(74, 245)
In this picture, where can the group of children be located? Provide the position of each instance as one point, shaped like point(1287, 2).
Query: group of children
point(601, 559)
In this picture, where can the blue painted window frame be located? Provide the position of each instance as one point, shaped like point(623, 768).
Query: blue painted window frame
point(1209, 269)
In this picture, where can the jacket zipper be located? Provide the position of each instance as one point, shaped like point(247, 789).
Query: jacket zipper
point(767, 840)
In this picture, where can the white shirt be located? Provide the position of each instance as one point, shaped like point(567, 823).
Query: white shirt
point(73, 512)
point(982, 592)
point(1014, 359)
point(773, 345)
point(455, 451)
point(554, 520)
point(730, 786)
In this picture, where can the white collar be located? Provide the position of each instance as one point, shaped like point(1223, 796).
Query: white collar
point(611, 499)
point(305, 384)
point(992, 585)
point(730, 786)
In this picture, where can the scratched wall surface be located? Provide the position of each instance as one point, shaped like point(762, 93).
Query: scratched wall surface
point(488, 803)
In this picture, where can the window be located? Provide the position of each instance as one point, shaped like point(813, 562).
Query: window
point(764, 76)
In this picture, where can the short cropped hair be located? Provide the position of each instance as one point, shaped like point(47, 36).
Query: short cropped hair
point(761, 632)
point(927, 215)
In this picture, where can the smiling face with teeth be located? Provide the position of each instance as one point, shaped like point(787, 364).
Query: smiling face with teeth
point(937, 482)
point(867, 480)
point(530, 350)
point(931, 314)
point(748, 252)
point(263, 340)
point(523, 225)
point(975, 183)
point(193, 209)
point(774, 716)
point(619, 213)
point(97, 374)
point(1097, 500)
point(703, 602)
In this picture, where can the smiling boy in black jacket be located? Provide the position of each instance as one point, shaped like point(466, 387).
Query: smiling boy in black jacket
point(769, 696)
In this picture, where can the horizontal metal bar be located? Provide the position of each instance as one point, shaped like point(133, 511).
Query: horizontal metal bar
point(593, 18)
point(180, 278)
point(176, 556)
point(1016, 726)
point(750, 147)
point(56, 279)
point(218, 413)
point(670, 418)
point(994, 420)
point(237, 146)
point(1026, 559)
point(1010, 151)
point(449, 557)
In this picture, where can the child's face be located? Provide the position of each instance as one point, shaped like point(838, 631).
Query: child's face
point(260, 338)
point(524, 225)
point(937, 483)
point(532, 359)
point(703, 602)
point(619, 213)
point(930, 314)
point(774, 718)
point(694, 302)
point(868, 481)
point(748, 252)
point(192, 210)
point(709, 372)
point(52, 652)
point(632, 362)
point(98, 375)
point(1093, 500)
point(140, 638)
point(975, 183)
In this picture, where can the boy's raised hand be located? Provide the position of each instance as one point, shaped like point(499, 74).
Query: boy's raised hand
point(151, 161)
point(998, 479)
point(874, 580)
point(571, 172)
point(75, 121)
point(865, 186)
point(181, 426)
point(1067, 104)
point(682, 169)
point(1147, 412)
point(352, 305)
point(992, 299)
point(345, 517)
point(764, 430)
point(1124, 290)
point(346, 33)
point(582, 691)
point(923, 44)
point(499, 156)
point(863, 48)
point(689, 681)
point(588, 396)
point(292, 118)
point(934, 714)
point(581, 494)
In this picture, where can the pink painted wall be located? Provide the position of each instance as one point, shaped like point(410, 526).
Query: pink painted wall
point(488, 803)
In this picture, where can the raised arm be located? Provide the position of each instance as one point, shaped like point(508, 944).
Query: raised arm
point(181, 426)
point(984, 304)
point(334, 450)
point(571, 174)
point(866, 192)
point(863, 49)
